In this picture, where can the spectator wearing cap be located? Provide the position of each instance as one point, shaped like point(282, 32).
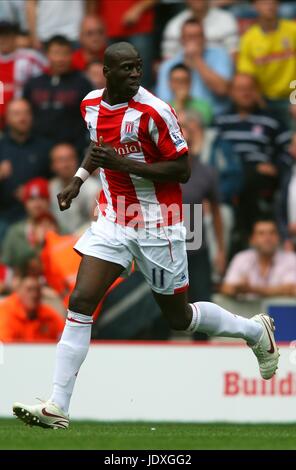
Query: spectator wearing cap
point(56, 96)
point(16, 66)
point(23, 156)
point(64, 163)
point(93, 43)
point(25, 318)
point(24, 239)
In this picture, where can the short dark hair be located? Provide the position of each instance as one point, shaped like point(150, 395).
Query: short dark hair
point(58, 40)
point(264, 220)
point(192, 20)
point(8, 28)
point(180, 66)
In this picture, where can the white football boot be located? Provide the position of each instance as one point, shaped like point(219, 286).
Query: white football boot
point(46, 414)
point(266, 350)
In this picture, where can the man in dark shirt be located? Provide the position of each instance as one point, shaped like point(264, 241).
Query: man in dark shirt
point(255, 136)
point(23, 156)
point(56, 96)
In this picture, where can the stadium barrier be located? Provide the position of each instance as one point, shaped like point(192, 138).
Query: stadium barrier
point(180, 382)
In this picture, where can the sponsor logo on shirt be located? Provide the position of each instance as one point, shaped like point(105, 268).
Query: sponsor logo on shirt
point(126, 149)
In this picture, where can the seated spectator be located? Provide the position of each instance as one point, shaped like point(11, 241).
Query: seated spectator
point(47, 18)
point(202, 186)
point(56, 97)
point(64, 163)
point(255, 137)
point(220, 28)
point(16, 66)
point(180, 84)
point(264, 270)
point(273, 64)
point(23, 156)
point(25, 318)
point(211, 69)
point(92, 42)
point(24, 239)
point(132, 21)
point(94, 73)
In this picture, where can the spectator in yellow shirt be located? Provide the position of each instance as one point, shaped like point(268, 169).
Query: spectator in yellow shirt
point(268, 53)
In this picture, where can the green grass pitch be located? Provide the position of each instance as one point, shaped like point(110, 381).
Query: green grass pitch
point(152, 436)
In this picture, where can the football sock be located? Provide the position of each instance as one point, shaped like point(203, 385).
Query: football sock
point(70, 354)
point(214, 320)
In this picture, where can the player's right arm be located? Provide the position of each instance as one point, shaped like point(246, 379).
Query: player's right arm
point(71, 191)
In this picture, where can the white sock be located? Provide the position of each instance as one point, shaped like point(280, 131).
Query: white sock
point(216, 321)
point(71, 352)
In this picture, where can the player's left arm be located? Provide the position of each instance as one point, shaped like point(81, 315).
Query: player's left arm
point(177, 170)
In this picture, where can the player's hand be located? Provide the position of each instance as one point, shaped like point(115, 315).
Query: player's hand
point(70, 192)
point(104, 156)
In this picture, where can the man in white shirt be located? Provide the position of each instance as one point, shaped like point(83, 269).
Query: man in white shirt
point(64, 162)
point(220, 28)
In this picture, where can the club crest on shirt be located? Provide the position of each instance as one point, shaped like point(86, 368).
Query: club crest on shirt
point(129, 127)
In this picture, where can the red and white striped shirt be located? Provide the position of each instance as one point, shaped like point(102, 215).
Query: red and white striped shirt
point(145, 129)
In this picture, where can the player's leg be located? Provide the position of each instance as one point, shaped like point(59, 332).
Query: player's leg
point(94, 278)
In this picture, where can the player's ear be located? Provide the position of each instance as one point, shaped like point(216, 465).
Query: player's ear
point(106, 70)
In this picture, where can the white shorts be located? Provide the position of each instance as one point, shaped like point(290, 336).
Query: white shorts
point(160, 254)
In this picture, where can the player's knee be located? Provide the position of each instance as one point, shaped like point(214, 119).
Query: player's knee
point(81, 302)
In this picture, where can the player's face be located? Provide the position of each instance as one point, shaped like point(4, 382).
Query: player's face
point(124, 76)
point(265, 238)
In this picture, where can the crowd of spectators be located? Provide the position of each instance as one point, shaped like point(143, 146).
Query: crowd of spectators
point(228, 67)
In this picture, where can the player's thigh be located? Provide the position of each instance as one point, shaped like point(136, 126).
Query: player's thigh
point(94, 278)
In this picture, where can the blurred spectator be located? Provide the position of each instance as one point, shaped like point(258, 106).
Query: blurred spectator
point(47, 18)
point(56, 97)
point(25, 318)
point(64, 163)
point(94, 73)
point(273, 64)
point(24, 239)
point(23, 40)
point(202, 186)
point(6, 274)
point(219, 26)
point(287, 199)
point(16, 66)
point(264, 270)
point(92, 42)
point(13, 11)
point(255, 137)
point(180, 84)
point(132, 21)
point(23, 156)
point(211, 69)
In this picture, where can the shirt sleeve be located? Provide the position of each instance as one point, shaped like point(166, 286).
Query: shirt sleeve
point(236, 271)
point(166, 133)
